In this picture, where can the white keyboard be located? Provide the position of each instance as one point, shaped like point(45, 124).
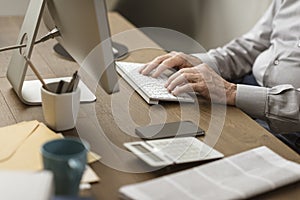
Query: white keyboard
point(165, 152)
point(151, 89)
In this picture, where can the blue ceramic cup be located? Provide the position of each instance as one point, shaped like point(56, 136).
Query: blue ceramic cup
point(66, 158)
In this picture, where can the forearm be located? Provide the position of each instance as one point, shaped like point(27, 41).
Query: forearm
point(279, 106)
point(236, 59)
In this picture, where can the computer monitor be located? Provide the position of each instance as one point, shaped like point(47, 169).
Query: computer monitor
point(84, 33)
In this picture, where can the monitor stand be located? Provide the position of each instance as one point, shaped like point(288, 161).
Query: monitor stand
point(29, 92)
point(32, 95)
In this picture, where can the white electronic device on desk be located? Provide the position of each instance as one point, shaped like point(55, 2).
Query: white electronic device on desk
point(151, 89)
point(163, 152)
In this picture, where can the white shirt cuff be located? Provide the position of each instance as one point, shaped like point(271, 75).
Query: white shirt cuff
point(252, 100)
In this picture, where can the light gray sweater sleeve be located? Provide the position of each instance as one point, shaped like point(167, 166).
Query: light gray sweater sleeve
point(279, 106)
point(236, 59)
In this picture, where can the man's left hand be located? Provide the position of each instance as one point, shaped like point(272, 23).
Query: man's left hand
point(205, 81)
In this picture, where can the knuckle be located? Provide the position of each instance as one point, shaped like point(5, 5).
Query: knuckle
point(178, 56)
point(205, 67)
point(159, 58)
point(185, 75)
point(182, 71)
point(173, 52)
point(178, 52)
point(165, 62)
point(195, 87)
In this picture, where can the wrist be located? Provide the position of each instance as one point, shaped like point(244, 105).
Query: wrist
point(231, 94)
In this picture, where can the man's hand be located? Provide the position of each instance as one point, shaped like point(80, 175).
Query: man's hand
point(170, 60)
point(205, 81)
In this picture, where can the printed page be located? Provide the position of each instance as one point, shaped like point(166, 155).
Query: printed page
point(240, 176)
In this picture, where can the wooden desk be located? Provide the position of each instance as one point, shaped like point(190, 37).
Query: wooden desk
point(118, 114)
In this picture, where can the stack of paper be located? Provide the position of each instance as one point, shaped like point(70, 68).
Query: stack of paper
point(21, 145)
point(26, 185)
point(21, 148)
point(237, 177)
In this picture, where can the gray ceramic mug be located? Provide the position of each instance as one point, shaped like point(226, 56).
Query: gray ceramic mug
point(66, 158)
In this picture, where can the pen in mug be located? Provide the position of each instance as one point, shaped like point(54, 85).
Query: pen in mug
point(76, 82)
point(73, 83)
point(60, 86)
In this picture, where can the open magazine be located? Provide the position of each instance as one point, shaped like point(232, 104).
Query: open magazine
point(237, 177)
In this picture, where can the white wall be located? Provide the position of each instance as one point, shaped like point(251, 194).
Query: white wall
point(211, 22)
point(13, 7)
point(221, 20)
point(18, 7)
point(216, 21)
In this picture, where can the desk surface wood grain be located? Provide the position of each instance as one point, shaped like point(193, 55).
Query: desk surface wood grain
point(120, 113)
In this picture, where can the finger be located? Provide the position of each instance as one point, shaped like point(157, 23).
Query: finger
point(195, 78)
point(178, 73)
point(189, 87)
point(175, 61)
point(184, 79)
point(166, 64)
point(179, 80)
point(172, 78)
point(154, 64)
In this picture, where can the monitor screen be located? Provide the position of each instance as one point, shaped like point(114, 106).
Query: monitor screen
point(85, 34)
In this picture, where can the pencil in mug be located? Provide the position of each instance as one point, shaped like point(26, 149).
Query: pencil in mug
point(36, 73)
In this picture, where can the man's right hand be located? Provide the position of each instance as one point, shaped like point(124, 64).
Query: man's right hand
point(170, 60)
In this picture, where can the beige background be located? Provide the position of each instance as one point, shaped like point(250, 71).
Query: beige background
point(211, 22)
